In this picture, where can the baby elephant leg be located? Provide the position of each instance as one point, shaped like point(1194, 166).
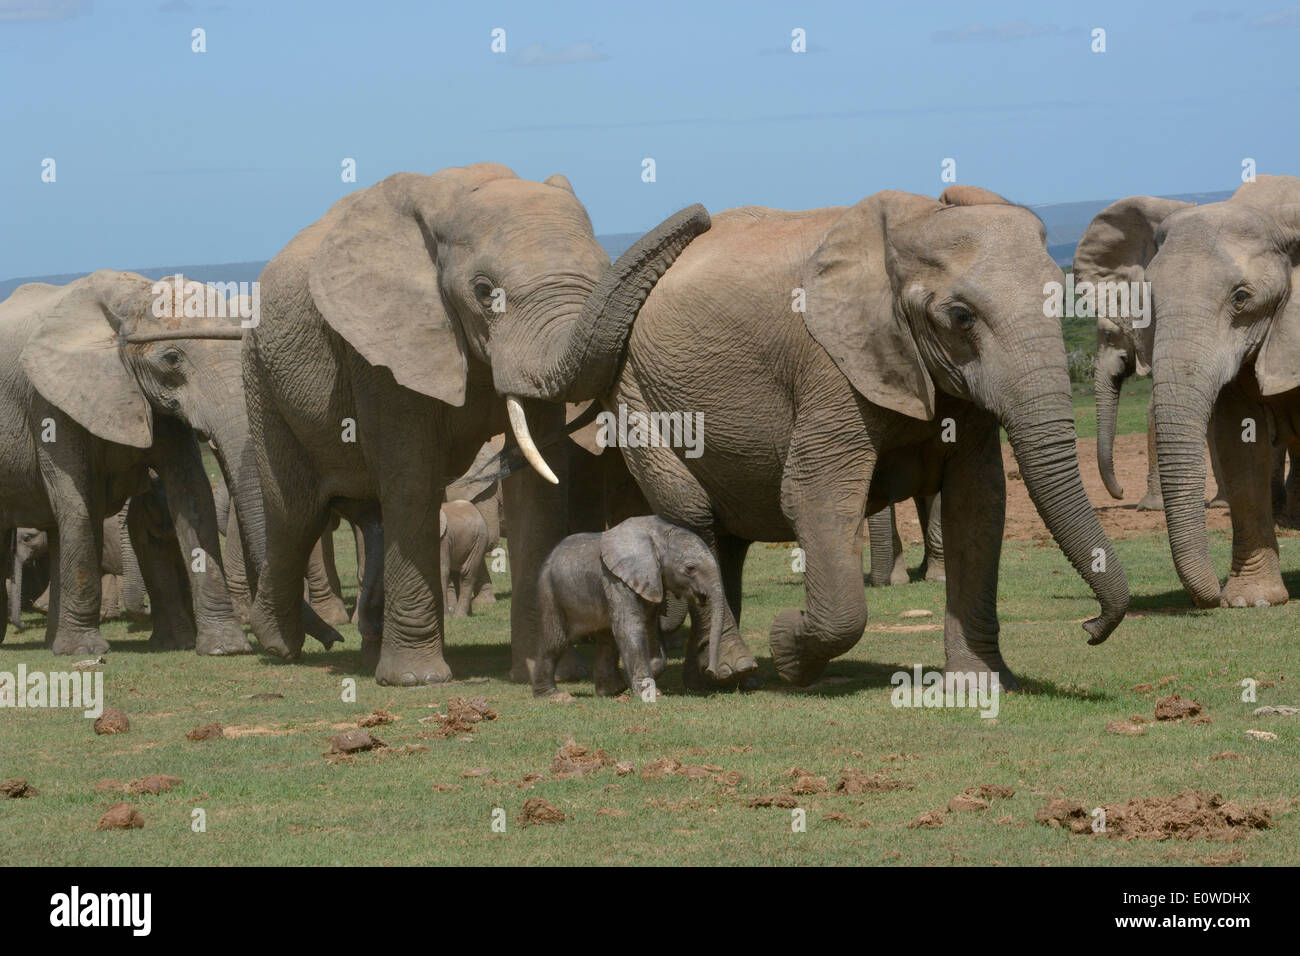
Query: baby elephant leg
point(605, 674)
point(632, 621)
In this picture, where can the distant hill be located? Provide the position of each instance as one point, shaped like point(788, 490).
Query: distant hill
point(1065, 223)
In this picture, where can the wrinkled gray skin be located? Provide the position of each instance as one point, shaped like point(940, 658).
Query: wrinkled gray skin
point(486, 496)
point(888, 562)
point(411, 309)
point(462, 536)
point(151, 539)
point(1116, 237)
point(917, 311)
point(116, 410)
point(1226, 348)
point(1286, 490)
point(612, 586)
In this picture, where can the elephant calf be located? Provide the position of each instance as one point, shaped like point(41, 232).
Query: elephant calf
point(463, 538)
point(612, 586)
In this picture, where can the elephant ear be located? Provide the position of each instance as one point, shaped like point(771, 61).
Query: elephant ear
point(1277, 367)
point(1117, 246)
point(374, 279)
point(74, 360)
point(851, 306)
point(630, 555)
point(442, 524)
point(559, 181)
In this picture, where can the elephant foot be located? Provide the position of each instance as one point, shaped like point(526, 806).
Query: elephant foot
point(934, 571)
point(1151, 501)
point(484, 598)
point(977, 662)
point(222, 641)
point(270, 638)
point(166, 638)
point(1253, 591)
point(1218, 501)
point(793, 664)
point(570, 667)
point(332, 612)
point(85, 641)
point(411, 666)
point(899, 575)
point(736, 665)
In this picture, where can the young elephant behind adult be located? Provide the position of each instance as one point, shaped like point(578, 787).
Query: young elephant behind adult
point(462, 537)
point(612, 586)
point(1225, 355)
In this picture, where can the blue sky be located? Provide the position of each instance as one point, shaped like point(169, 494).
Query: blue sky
point(165, 156)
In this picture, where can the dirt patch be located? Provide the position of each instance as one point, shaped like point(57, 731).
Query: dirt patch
point(376, 718)
point(120, 816)
point(610, 812)
point(155, 783)
point(773, 800)
point(206, 732)
point(855, 782)
point(930, 820)
point(576, 760)
point(1126, 728)
point(1226, 755)
point(354, 741)
point(835, 816)
point(112, 721)
point(538, 811)
point(1190, 815)
point(16, 788)
point(1176, 707)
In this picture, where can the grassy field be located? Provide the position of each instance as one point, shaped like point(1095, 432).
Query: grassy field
point(271, 796)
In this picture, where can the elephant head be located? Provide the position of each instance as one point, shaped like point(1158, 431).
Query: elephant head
point(420, 274)
point(1112, 254)
point(655, 558)
point(911, 296)
point(1224, 283)
point(29, 544)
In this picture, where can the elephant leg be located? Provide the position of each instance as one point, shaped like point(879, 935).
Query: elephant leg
point(537, 516)
point(370, 596)
point(1152, 500)
point(606, 677)
point(465, 578)
point(1292, 492)
point(110, 597)
point(632, 626)
point(552, 644)
point(888, 565)
point(1277, 485)
point(323, 589)
point(971, 629)
point(1256, 576)
point(1218, 499)
point(162, 570)
point(483, 584)
point(928, 511)
point(236, 573)
point(444, 568)
point(133, 589)
point(76, 549)
point(194, 516)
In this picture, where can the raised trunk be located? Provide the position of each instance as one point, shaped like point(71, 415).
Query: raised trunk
point(1106, 386)
point(1042, 433)
point(1182, 414)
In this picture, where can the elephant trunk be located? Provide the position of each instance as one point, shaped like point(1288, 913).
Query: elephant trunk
point(1041, 431)
point(234, 452)
point(16, 596)
point(717, 620)
point(1106, 387)
point(590, 354)
point(1182, 413)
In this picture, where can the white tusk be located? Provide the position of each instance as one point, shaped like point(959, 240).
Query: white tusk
point(519, 425)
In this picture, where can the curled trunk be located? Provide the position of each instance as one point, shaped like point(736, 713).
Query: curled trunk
point(1043, 438)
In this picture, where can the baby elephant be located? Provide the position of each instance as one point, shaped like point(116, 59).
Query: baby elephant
point(612, 586)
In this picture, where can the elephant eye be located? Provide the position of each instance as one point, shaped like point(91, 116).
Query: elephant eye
point(1240, 297)
point(962, 317)
point(691, 569)
point(172, 357)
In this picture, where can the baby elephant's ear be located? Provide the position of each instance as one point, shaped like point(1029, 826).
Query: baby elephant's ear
point(630, 555)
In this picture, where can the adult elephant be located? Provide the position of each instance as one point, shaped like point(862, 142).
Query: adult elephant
point(391, 331)
point(1225, 355)
point(1102, 258)
point(88, 403)
point(924, 320)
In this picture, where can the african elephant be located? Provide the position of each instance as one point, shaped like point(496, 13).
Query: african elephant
point(1123, 347)
point(391, 331)
point(1286, 490)
point(612, 585)
point(486, 497)
point(462, 535)
point(888, 563)
point(89, 401)
point(1225, 347)
point(920, 319)
point(32, 554)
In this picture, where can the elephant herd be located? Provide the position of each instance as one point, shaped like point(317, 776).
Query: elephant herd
point(427, 348)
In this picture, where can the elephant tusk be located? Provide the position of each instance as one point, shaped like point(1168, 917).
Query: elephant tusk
point(519, 425)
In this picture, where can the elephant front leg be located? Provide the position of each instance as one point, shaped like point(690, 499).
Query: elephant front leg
point(972, 540)
point(888, 564)
point(928, 510)
point(189, 500)
point(75, 548)
point(1241, 433)
point(164, 579)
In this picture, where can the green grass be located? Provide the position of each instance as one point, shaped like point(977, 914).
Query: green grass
point(274, 799)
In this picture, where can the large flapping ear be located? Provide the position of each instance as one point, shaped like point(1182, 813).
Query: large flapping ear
point(630, 555)
point(851, 307)
point(1116, 247)
point(962, 195)
point(74, 357)
point(374, 279)
point(585, 437)
point(1277, 367)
